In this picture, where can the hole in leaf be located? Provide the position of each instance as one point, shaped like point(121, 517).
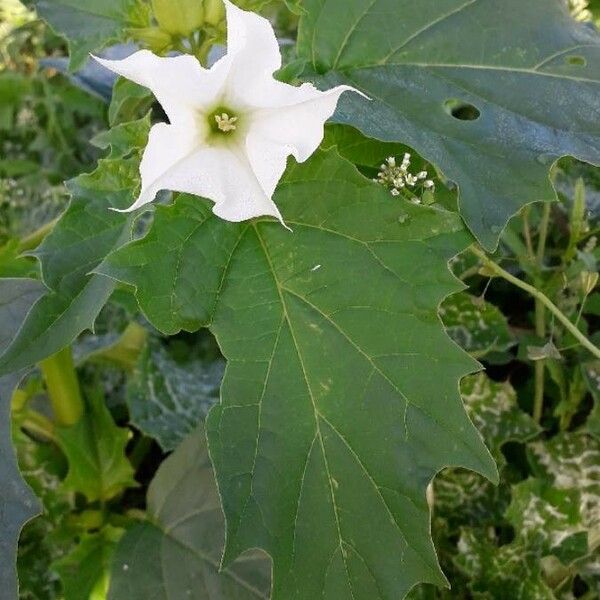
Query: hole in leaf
point(463, 111)
point(578, 61)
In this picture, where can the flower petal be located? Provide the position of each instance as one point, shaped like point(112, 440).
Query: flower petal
point(180, 83)
point(174, 160)
point(252, 52)
point(295, 125)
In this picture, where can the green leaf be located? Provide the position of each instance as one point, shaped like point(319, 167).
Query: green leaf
point(125, 138)
point(339, 402)
point(168, 399)
point(476, 325)
point(493, 409)
point(591, 373)
point(128, 101)
point(496, 572)
point(86, 568)
point(359, 149)
point(91, 25)
point(14, 265)
point(493, 93)
point(184, 535)
point(95, 450)
point(17, 296)
point(570, 462)
point(84, 235)
point(17, 502)
point(548, 519)
point(466, 498)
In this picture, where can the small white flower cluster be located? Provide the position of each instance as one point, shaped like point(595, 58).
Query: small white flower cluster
point(398, 177)
point(580, 10)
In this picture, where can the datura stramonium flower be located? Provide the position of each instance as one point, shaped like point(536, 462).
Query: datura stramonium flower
point(233, 126)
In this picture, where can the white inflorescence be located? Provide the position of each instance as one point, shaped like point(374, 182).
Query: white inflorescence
point(399, 178)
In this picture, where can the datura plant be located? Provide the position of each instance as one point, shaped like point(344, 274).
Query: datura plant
point(232, 127)
point(237, 357)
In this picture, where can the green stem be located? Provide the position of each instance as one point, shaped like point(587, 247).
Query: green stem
point(539, 365)
point(540, 317)
point(527, 234)
point(62, 386)
point(543, 234)
point(540, 296)
point(139, 452)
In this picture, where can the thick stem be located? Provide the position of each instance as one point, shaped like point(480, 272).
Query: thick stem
point(543, 299)
point(543, 234)
point(62, 386)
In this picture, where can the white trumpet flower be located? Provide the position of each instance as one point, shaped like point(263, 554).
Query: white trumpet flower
point(233, 126)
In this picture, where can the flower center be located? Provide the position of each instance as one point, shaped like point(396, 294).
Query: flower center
point(222, 121)
point(225, 123)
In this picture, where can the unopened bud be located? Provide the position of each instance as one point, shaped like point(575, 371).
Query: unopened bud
point(588, 281)
point(156, 39)
point(179, 17)
point(214, 12)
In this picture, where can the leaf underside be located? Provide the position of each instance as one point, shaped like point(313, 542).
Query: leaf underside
point(184, 534)
point(330, 425)
point(88, 26)
point(525, 74)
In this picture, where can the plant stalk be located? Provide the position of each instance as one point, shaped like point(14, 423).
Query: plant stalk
point(540, 317)
point(540, 296)
point(62, 386)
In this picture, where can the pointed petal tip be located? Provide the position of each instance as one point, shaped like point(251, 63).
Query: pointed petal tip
point(349, 88)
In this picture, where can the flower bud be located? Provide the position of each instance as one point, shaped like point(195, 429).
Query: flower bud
point(588, 281)
point(179, 17)
point(156, 39)
point(214, 12)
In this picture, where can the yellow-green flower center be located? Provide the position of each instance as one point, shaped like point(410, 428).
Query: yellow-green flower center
point(222, 121)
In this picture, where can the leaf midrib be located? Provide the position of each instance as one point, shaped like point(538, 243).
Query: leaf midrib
point(318, 415)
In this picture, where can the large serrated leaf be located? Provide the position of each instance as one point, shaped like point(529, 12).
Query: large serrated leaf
point(184, 534)
point(89, 25)
point(17, 502)
point(95, 450)
point(492, 92)
point(340, 399)
point(84, 235)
